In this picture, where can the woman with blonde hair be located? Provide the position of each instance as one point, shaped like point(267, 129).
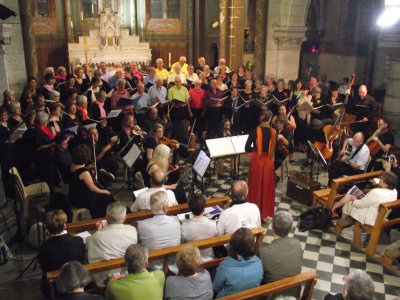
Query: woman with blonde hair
point(162, 161)
point(192, 282)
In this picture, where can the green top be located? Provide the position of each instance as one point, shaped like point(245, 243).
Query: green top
point(146, 285)
point(181, 94)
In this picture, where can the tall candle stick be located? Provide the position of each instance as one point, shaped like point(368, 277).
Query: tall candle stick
point(169, 59)
point(72, 25)
point(92, 9)
point(82, 16)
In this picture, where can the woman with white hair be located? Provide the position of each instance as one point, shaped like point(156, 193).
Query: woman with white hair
point(16, 115)
point(81, 109)
point(161, 161)
point(44, 150)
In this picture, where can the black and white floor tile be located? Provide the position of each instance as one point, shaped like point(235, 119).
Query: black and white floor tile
point(330, 255)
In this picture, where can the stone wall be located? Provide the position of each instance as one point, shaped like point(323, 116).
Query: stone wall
point(12, 63)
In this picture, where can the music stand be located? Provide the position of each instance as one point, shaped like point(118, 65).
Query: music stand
point(318, 157)
point(199, 168)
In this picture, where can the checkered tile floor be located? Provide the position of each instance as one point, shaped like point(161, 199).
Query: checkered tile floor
point(330, 255)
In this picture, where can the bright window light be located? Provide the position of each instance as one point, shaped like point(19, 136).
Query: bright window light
point(389, 17)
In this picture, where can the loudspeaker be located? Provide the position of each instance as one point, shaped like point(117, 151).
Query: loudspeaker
point(300, 188)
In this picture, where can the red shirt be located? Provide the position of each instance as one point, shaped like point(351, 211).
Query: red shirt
point(197, 98)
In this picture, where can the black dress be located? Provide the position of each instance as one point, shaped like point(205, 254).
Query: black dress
point(247, 113)
point(7, 151)
point(81, 196)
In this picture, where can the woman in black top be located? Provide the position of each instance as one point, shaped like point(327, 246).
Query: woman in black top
point(83, 191)
point(6, 151)
point(248, 112)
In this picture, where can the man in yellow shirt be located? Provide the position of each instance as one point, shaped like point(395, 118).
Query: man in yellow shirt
point(160, 71)
point(182, 63)
point(178, 96)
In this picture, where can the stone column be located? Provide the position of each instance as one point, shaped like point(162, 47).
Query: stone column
point(236, 33)
point(390, 44)
point(190, 7)
point(69, 31)
point(28, 38)
point(288, 40)
point(259, 42)
point(223, 28)
point(5, 34)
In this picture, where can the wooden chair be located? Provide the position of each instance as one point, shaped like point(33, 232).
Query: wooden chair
point(165, 253)
point(90, 225)
point(309, 280)
point(380, 223)
point(30, 195)
point(327, 197)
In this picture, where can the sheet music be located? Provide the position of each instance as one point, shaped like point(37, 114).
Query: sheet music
point(227, 146)
point(356, 192)
point(201, 164)
point(114, 113)
point(132, 155)
point(110, 93)
point(90, 126)
point(220, 147)
point(239, 142)
point(17, 134)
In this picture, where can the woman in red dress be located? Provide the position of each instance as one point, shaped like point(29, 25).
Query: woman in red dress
point(261, 143)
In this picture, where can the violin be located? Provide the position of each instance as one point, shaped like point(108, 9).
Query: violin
point(172, 143)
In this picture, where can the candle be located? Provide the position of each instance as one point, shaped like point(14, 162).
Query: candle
point(82, 16)
point(92, 9)
point(72, 25)
point(141, 25)
point(169, 59)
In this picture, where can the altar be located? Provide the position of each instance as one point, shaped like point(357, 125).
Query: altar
point(109, 43)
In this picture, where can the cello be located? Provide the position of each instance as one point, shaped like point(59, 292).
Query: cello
point(331, 134)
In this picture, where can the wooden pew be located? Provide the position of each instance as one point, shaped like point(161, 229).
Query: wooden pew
point(327, 197)
point(165, 253)
point(375, 231)
point(90, 225)
point(307, 278)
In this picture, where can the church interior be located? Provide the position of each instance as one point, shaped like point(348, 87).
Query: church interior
point(323, 76)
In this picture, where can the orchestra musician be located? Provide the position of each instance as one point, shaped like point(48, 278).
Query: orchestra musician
point(380, 143)
point(161, 161)
point(285, 137)
point(225, 129)
point(352, 163)
point(364, 106)
point(290, 125)
point(83, 191)
point(261, 143)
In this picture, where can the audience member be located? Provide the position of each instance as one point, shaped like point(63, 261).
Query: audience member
point(192, 282)
point(61, 247)
point(283, 256)
point(358, 286)
point(139, 283)
point(241, 213)
point(242, 269)
point(112, 237)
point(157, 180)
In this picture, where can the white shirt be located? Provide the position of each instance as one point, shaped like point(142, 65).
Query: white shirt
point(199, 229)
point(361, 159)
point(171, 78)
point(110, 242)
point(144, 101)
point(365, 210)
point(239, 215)
point(142, 201)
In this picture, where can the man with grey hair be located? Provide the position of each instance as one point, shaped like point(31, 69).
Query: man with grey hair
point(283, 256)
point(358, 286)
point(176, 71)
point(112, 236)
point(241, 213)
point(158, 92)
point(221, 63)
point(142, 104)
point(161, 230)
point(139, 283)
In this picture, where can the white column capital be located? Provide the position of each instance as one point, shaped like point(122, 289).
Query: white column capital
point(289, 37)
